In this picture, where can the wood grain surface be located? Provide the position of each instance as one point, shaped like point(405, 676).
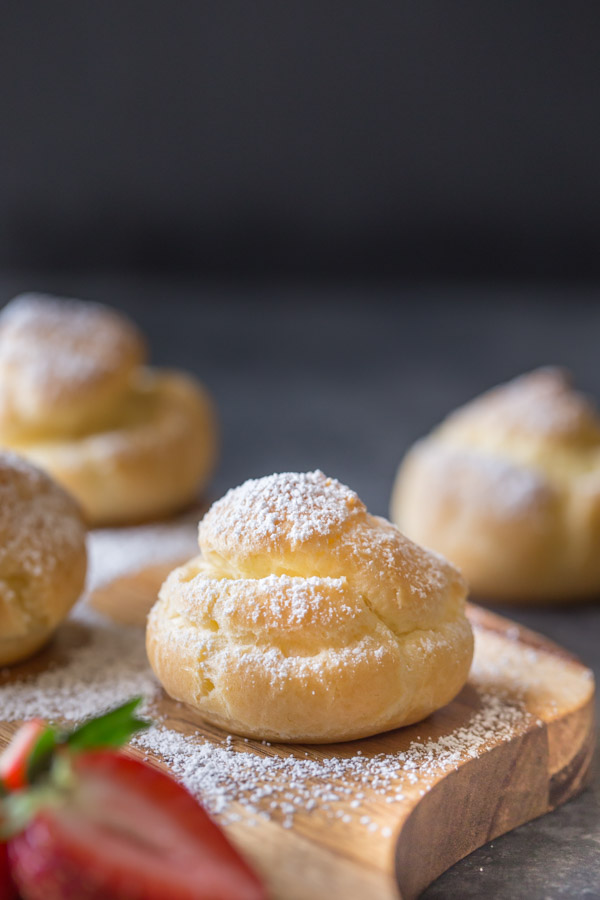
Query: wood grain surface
point(444, 814)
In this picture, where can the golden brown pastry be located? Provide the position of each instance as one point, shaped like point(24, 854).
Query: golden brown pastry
point(42, 557)
point(508, 488)
point(129, 442)
point(306, 619)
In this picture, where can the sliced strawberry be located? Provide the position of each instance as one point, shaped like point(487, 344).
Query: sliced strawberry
point(8, 890)
point(15, 759)
point(124, 831)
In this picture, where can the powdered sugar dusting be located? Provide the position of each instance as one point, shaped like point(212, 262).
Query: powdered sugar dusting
point(494, 483)
point(115, 552)
point(299, 600)
point(540, 403)
point(530, 673)
point(235, 783)
point(244, 780)
point(512, 488)
point(57, 345)
point(288, 507)
point(107, 666)
point(37, 519)
point(40, 529)
point(281, 600)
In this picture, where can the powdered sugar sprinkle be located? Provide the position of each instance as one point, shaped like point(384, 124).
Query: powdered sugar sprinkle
point(289, 507)
point(236, 783)
point(244, 780)
point(114, 552)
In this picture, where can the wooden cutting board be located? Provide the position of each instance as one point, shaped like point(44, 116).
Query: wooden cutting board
point(497, 777)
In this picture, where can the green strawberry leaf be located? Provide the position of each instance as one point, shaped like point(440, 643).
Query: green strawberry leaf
point(113, 729)
point(41, 755)
point(49, 764)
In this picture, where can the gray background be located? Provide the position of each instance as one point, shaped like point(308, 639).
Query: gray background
point(344, 378)
point(343, 136)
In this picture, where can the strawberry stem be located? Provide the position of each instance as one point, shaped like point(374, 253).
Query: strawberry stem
point(113, 729)
point(40, 757)
point(47, 763)
point(30, 755)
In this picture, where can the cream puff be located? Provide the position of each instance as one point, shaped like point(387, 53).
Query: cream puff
point(304, 618)
point(42, 557)
point(130, 443)
point(508, 488)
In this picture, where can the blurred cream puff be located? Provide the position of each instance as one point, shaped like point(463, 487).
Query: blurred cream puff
point(508, 488)
point(42, 557)
point(129, 442)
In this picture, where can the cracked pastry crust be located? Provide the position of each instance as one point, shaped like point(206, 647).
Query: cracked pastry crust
point(42, 557)
point(508, 488)
point(131, 443)
point(304, 618)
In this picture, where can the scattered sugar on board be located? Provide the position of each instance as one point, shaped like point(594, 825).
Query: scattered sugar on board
point(115, 552)
point(237, 779)
point(107, 668)
point(250, 782)
point(235, 783)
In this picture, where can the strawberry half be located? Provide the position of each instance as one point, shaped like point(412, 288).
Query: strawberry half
point(14, 761)
point(127, 830)
point(8, 890)
point(99, 825)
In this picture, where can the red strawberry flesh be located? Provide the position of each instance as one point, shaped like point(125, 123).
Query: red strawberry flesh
point(13, 761)
point(127, 832)
point(8, 890)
